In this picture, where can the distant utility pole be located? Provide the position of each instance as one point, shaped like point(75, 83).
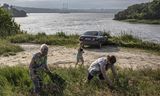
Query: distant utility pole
point(65, 4)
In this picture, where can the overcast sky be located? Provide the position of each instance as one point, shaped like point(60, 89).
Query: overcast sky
point(82, 4)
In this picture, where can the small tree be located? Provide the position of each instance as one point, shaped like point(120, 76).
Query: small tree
point(7, 25)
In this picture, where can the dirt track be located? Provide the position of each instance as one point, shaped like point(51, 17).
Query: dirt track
point(64, 57)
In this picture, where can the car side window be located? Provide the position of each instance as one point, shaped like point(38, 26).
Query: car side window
point(96, 34)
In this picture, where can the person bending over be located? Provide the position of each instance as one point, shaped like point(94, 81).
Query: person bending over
point(100, 66)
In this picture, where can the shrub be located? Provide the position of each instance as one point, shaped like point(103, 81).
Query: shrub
point(7, 25)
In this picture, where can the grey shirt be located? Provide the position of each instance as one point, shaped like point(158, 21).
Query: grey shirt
point(96, 65)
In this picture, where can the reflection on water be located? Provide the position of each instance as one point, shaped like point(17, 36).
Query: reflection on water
point(51, 23)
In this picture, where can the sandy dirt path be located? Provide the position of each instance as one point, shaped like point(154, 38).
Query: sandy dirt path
point(64, 57)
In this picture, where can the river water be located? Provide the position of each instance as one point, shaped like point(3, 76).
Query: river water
point(72, 23)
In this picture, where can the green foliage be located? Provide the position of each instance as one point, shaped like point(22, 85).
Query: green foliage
point(124, 40)
point(21, 38)
point(149, 10)
point(61, 34)
point(107, 34)
point(57, 39)
point(15, 81)
point(7, 25)
point(143, 21)
point(6, 47)
point(139, 82)
point(13, 11)
point(7, 28)
point(130, 41)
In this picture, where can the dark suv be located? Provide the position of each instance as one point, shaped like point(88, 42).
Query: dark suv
point(93, 38)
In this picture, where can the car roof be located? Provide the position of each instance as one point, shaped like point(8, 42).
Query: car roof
point(92, 33)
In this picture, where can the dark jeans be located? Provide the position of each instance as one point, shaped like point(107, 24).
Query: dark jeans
point(100, 76)
point(37, 85)
point(37, 81)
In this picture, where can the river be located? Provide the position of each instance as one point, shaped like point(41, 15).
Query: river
point(72, 23)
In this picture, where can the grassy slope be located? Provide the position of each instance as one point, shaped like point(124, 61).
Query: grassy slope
point(16, 81)
point(8, 48)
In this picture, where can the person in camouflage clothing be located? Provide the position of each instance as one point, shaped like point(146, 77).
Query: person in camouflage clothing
point(37, 67)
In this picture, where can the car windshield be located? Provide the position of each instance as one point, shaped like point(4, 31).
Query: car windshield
point(93, 33)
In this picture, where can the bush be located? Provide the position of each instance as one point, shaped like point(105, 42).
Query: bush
point(7, 25)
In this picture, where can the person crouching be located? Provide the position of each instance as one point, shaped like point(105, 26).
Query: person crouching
point(100, 66)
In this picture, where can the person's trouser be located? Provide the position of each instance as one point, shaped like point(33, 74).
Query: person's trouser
point(91, 76)
point(37, 84)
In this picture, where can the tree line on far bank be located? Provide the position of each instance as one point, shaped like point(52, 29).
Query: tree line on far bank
point(150, 10)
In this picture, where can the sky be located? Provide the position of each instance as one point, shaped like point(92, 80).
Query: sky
point(75, 4)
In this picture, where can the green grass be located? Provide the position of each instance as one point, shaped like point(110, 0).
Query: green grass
point(62, 39)
point(15, 81)
point(142, 21)
point(8, 48)
point(130, 41)
point(59, 38)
